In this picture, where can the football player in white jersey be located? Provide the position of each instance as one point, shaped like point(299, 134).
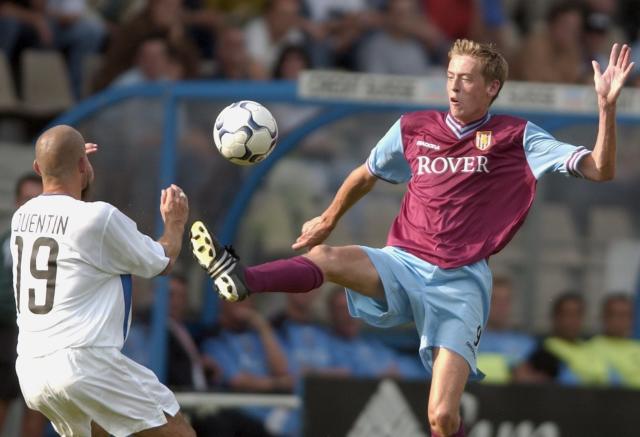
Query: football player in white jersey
point(72, 265)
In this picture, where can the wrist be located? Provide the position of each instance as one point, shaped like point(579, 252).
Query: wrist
point(174, 224)
point(329, 219)
point(604, 105)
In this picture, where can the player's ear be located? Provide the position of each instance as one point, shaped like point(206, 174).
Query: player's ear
point(493, 88)
point(36, 168)
point(82, 164)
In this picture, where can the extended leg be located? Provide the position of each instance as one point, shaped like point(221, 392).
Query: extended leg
point(348, 266)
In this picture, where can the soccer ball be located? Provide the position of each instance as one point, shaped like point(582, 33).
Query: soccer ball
point(245, 132)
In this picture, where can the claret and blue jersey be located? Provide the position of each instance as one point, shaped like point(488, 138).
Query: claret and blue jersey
point(470, 186)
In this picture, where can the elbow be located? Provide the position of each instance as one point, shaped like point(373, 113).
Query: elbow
point(168, 268)
point(605, 175)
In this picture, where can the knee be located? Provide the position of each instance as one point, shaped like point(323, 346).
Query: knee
point(322, 254)
point(443, 420)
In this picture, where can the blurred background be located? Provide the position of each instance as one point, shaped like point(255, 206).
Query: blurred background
point(146, 79)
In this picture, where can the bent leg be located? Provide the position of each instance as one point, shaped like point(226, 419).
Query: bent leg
point(450, 374)
point(176, 426)
point(348, 266)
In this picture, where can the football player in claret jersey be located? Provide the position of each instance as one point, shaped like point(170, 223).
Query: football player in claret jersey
point(471, 178)
point(72, 267)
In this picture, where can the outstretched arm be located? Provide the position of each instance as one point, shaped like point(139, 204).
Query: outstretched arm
point(601, 163)
point(355, 186)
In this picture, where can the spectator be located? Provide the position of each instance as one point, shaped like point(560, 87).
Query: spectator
point(251, 358)
point(202, 22)
point(403, 45)
point(22, 24)
point(77, 33)
point(563, 356)
point(597, 28)
point(187, 368)
point(280, 25)
point(502, 347)
point(614, 344)
point(600, 31)
point(554, 53)
point(338, 27)
point(27, 187)
point(459, 19)
point(159, 17)
point(155, 61)
point(480, 20)
point(359, 356)
point(234, 62)
point(292, 61)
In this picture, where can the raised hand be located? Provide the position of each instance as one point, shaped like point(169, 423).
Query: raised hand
point(174, 206)
point(609, 84)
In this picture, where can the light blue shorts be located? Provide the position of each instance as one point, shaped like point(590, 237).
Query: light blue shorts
point(450, 307)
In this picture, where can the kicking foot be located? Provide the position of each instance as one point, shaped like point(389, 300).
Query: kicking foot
point(221, 263)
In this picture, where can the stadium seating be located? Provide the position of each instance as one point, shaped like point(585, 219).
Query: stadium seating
point(45, 82)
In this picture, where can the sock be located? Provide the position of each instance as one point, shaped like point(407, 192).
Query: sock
point(294, 275)
point(459, 433)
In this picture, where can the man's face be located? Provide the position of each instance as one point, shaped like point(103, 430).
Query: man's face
point(469, 93)
point(178, 299)
point(566, 30)
point(153, 59)
point(618, 318)
point(567, 322)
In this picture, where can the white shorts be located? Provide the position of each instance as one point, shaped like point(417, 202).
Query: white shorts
point(73, 387)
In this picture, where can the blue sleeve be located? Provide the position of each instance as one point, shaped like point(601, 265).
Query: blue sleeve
point(546, 154)
point(387, 160)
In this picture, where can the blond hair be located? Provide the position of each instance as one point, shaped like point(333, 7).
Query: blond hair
point(494, 65)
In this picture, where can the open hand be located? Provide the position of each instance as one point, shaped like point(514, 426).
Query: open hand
point(609, 84)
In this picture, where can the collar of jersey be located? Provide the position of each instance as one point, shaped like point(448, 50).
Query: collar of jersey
point(460, 130)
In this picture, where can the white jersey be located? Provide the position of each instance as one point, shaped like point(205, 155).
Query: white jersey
point(72, 270)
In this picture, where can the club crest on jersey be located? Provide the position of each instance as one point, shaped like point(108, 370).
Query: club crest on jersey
point(483, 140)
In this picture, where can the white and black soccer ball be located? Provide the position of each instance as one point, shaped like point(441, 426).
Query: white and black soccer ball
point(245, 132)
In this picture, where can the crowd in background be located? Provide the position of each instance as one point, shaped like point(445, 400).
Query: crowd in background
point(115, 42)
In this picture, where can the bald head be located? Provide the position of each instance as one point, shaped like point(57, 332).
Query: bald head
point(59, 151)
